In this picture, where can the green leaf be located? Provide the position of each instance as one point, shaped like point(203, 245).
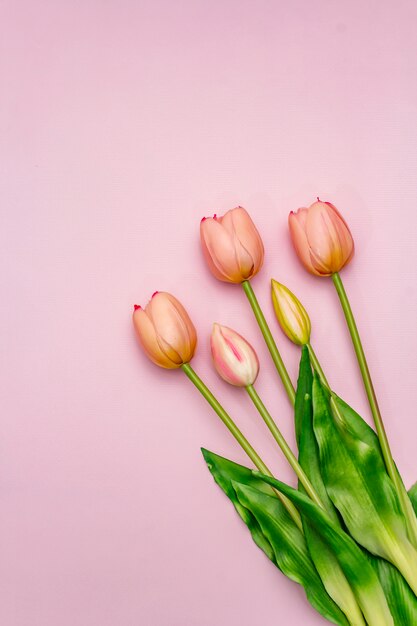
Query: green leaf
point(355, 565)
point(290, 549)
point(284, 543)
point(349, 421)
point(353, 423)
point(308, 452)
point(223, 471)
point(361, 490)
point(412, 494)
point(401, 600)
point(325, 560)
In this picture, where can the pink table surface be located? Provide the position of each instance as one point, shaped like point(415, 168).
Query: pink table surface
point(122, 124)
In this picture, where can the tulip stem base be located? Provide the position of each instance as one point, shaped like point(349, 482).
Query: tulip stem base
point(376, 413)
point(269, 340)
point(238, 435)
point(279, 438)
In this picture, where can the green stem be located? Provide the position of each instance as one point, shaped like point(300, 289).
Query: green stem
point(288, 453)
point(269, 340)
point(376, 413)
point(318, 368)
point(316, 365)
point(238, 435)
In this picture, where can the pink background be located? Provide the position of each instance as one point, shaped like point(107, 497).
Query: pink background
point(122, 124)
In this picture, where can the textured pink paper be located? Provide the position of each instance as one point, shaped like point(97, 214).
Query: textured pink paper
point(122, 124)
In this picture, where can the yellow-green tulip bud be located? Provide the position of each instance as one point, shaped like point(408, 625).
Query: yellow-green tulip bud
point(291, 314)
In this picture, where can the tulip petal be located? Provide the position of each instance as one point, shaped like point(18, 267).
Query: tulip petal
point(219, 250)
point(291, 314)
point(344, 235)
point(251, 245)
point(322, 237)
point(329, 238)
point(171, 328)
point(189, 328)
point(146, 333)
point(234, 358)
point(296, 223)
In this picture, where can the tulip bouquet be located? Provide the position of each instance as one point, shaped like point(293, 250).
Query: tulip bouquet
point(348, 533)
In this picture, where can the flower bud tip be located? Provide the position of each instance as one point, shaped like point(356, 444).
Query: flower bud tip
point(136, 307)
point(154, 293)
point(215, 216)
point(318, 199)
point(203, 219)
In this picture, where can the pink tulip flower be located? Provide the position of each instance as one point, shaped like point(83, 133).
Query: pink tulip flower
point(232, 246)
point(234, 358)
point(321, 238)
point(165, 331)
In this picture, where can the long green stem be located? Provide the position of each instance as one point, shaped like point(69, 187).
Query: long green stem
point(288, 453)
point(316, 365)
point(376, 413)
point(269, 340)
point(238, 435)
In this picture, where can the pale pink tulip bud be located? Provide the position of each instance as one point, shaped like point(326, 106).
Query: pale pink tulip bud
point(291, 315)
point(232, 246)
point(234, 358)
point(321, 238)
point(165, 331)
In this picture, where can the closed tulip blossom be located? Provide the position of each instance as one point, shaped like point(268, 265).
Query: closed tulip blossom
point(232, 246)
point(165, 331)
point(290, 313)
point(234, 358)
point(321, 238)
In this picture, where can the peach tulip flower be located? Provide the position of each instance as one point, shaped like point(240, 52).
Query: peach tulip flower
point(234, 358)
point(290, 313)
point(232, 246)
point(165, 331)
point(321, 238)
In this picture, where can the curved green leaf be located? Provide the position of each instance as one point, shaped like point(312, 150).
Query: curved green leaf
point(322, 555)
point(308, 451)
point(356, 566)
point(223, 471)
point(361, 490)
point(349, 421)
point(290, 549)
point(285, 546)
point(401, 600)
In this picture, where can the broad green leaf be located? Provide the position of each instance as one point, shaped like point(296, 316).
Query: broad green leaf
point(285, 546)
point(322, 555)
point(356, 566)
point(401, 600)
point(361, 490)
point(353, 423)
point(223, 471)
point(290, 549)
point(349, 421)
point(308, 452)
point(412, 493)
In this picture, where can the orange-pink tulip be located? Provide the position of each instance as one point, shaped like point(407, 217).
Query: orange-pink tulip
point(232, 246)
point(165, 331)
point(321, 238)
point(234, 358)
